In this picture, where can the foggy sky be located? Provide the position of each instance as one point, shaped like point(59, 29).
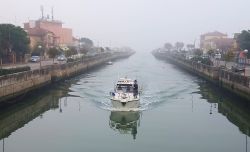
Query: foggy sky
point(141, 24)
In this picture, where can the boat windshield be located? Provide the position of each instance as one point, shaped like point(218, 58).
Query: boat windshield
point(124, 87)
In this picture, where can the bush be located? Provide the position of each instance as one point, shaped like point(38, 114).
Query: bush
point(205, 61)
point(14, 70)
point(70, 60)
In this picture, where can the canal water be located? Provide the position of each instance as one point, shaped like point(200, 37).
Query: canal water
point(178, 112)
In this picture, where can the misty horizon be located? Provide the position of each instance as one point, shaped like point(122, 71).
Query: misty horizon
point(142, 25)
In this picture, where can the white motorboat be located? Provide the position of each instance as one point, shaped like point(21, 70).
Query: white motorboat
point(109, 62)
point(126, 94)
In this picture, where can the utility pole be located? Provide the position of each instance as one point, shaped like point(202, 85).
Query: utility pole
point(52, 13)
point(3, 144)
point(40, 48)
point(42, 11)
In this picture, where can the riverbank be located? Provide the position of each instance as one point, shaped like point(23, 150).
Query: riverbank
point(15, 85)
point(233, 82)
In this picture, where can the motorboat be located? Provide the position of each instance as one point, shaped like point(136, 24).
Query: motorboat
point(109, 62)
point(126, 94)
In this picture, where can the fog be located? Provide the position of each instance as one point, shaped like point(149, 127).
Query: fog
point(140, 24)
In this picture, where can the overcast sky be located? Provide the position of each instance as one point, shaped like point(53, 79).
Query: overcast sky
point(140, 24)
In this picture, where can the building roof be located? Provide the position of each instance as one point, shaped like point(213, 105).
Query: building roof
point(215, 33)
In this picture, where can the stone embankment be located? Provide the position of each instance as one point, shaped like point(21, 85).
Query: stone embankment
point(14, 85)
point(234, 82)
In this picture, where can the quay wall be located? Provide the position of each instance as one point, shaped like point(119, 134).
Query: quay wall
point(20, 83)
point(14, 85)
point(233, 82)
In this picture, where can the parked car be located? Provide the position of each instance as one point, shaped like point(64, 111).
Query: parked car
point(217, 56)
point(189, 57)
point(61, 58)
point(205, 56)
point(35, 59)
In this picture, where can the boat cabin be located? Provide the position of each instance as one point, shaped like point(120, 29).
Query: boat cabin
point(125, 85)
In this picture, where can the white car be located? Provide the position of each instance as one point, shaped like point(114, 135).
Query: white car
point(217, 56)
point(61, 58)
point(189, 57)
point(35, 59)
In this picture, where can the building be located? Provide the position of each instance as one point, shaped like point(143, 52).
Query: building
point(49, 32)
point(41, 36)
point(217, 41)
point(207, 41)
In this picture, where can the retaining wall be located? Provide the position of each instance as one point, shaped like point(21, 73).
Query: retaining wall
point(234, 82)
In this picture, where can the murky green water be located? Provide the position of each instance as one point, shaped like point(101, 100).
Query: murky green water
point(178, 112)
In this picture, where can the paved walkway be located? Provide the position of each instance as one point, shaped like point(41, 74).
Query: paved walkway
point(230, 64)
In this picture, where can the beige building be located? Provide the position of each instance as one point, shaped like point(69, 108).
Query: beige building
point(216, 41)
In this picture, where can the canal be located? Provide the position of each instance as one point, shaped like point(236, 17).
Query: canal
point(178, 112)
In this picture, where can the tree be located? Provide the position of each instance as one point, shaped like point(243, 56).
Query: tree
point(228, 57)
point(168, 46)
point(85, 49)
point(86, 42)
point(198, 52)
point(107, 48)
point(244, 40)
point(102, 49)
point(190, 47)
point(71, 51)
point(13, 39)
point(179, 45)
point(39, 49)
point(53, 52)
point(210, 53)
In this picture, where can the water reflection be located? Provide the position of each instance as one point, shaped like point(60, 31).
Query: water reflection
point(125, 122)
point(16, 116)
point(236, 110)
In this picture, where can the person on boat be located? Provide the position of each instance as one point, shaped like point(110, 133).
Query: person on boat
point(135, 89)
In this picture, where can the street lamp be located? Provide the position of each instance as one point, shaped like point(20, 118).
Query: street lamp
point(245, 60)
point(40, 48)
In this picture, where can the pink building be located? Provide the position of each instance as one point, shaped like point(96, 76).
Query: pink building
point(61, 36)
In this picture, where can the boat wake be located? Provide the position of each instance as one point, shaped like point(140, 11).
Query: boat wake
point(164, 89)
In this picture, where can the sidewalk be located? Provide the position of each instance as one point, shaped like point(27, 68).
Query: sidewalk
point(230, 64)
point(33, 65)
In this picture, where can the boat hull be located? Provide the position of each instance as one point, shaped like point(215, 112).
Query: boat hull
point(125, 105)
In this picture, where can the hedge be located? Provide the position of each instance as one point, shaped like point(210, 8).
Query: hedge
point(14, 70)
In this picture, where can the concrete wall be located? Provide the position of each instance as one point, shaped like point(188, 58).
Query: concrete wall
point(235, 83)
point(16, 84)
